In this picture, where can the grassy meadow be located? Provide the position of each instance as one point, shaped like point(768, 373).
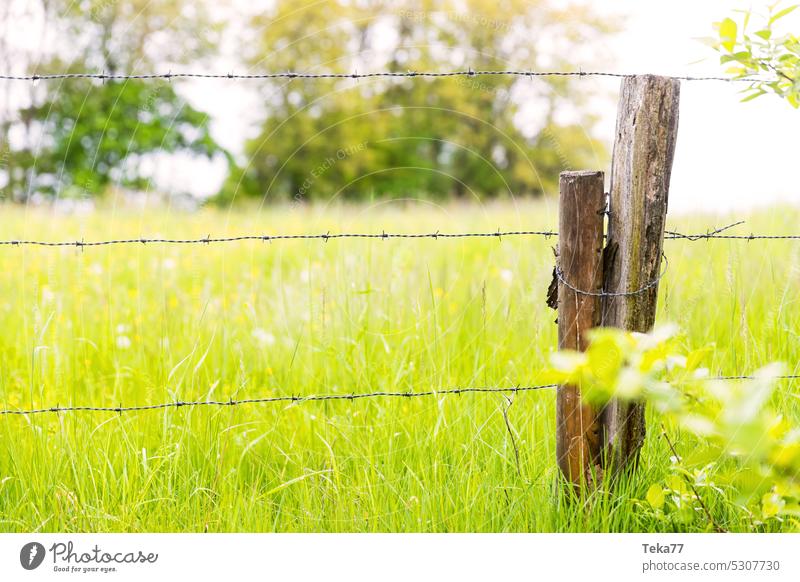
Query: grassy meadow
point(142, 324)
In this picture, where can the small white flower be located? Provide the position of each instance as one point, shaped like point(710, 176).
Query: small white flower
point(47, 295)
point(507, 276)
point(169, 264)
point(123, 342)
point(263, 337)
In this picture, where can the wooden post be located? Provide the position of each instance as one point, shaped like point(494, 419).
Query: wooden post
point(580, 265)
point(647, 128)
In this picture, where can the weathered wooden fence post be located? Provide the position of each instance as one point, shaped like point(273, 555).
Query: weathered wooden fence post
point(579, 266)
point(647, 128)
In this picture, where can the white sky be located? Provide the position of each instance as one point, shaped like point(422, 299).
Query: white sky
point(730, 155)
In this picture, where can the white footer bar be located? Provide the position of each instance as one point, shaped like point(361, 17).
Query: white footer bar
point(400, 557)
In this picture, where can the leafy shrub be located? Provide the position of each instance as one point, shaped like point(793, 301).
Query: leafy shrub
point(747, 448)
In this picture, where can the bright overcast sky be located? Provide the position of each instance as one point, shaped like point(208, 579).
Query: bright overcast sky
point(729, 154)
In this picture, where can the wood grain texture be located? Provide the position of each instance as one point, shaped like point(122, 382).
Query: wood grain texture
point(644, 148)
point(580, 256)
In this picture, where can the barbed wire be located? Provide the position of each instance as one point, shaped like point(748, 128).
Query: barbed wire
point(269, 238)
point(295, 399)
point(696, 237)
point(603, 293)
point(354, 75)
point(786, 377)
point(274, 399)
point(717, 233)
point(499, 234)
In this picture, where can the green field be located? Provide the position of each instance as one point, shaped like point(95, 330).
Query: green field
point(130, 325)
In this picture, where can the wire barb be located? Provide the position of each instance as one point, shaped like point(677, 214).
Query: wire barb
point(707, 235)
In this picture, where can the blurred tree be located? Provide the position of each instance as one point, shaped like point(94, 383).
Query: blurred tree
point(98, 135)
point(466, 136)
point(77, 137)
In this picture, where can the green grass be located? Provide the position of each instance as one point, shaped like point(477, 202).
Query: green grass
point(147, 324)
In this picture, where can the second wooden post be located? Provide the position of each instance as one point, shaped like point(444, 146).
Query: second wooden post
point(647, 130)
point(579, 267)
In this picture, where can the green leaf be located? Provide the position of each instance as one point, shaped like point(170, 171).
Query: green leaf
point(697, 357)
point(755, 95)
point(771, 505)
point(766, 34)
point(676, 484)
point(655, 496)
point(568, 361)
point(702, 455)
point(709, 41)
point(783, 13)
point(699, 425)
point(727, 34)
point(738, 71)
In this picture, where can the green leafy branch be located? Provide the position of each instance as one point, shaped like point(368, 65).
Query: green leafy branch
point(746, 445)
point(750, 51)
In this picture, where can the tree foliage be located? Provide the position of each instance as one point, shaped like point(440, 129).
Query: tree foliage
point(416, 136)
point(469, 137)
point(78, 137)
point(98, 135)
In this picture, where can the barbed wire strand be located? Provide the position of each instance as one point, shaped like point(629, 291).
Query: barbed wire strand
point(355, 75)
point(750, 377)
point(708, 233)
point(669, 235)
point(316, 398)
point(717, 234)
point(269, 238)
point(291, 398)
point(603, 293)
